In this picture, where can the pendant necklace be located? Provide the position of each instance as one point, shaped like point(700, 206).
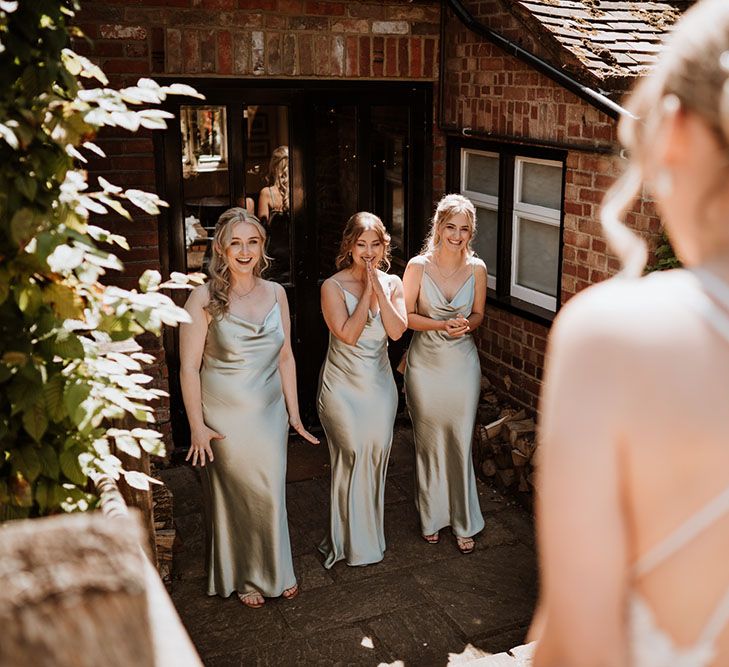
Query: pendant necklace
point(245, 294)
point(443, 275)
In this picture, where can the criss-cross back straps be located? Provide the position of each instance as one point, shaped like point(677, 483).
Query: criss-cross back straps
point(716, 291)
point(687, 531)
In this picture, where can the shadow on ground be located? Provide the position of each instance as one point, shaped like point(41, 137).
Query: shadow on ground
point(422, 605)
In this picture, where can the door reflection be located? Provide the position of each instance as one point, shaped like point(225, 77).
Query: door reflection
point(267, 190)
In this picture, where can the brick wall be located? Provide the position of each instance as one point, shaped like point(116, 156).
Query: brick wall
point(491, 91)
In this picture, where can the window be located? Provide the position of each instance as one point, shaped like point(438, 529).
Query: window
point(518, 193)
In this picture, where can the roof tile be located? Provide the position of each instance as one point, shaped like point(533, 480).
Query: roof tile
point(612, 38)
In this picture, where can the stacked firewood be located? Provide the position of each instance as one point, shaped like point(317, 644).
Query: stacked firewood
point(164, 530)
point(504, 443)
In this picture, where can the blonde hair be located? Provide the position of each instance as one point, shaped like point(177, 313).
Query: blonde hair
point(218, 269)
point(355, 227)
point(447, 207)
point(278, 174)
point(694, 71)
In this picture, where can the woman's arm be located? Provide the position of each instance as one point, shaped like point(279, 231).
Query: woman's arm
point(346, 328)
point(287, 369)
point(392, 308)
point(478, 310)
point(580, 510)
point(192, 344)
point(411, 288)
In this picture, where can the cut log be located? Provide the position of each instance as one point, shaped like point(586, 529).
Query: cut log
point(506, 477)
point(488, 468)
point(72, 592)
point(526, 446)
point(494, 428)
point(518, 458)
point(518, 429)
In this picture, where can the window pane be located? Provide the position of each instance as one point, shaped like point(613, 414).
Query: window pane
point(485, 241)
point(541, 185)
point(206, 185)
point(538, 256)
point(482, 174)
point(267, 182)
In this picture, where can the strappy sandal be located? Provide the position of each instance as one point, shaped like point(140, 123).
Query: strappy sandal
point(432, 539)
point(291, 593)
point(254, 599)
point(466, 545)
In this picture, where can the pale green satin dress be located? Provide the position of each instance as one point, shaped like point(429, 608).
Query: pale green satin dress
point(248, 547)
point(357, 408)
point(442, 386)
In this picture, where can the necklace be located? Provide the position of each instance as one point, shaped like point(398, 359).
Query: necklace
point(443, 275)
point(245, 294)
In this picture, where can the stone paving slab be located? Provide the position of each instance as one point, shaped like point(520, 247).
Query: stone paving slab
point(422, 605)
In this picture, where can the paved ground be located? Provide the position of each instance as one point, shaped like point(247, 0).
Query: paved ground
point(422, 605)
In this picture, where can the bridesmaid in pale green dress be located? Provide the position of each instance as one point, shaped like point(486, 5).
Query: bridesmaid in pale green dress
point(239, 382)
point(362, 306)
point(445, 295)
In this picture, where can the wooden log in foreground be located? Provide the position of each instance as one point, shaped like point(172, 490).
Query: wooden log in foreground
point(72, 592)
point(77, 591)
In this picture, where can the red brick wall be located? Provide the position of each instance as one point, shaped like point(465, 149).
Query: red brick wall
point(493, 92)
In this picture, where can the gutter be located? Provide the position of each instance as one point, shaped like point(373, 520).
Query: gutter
point(596, 99)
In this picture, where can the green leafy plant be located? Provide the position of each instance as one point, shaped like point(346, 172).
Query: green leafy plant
point(68, 362)
point(665, 257)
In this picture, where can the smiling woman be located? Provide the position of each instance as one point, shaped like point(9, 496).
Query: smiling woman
point(238, 383)
point(445, 295)
point(362, 306)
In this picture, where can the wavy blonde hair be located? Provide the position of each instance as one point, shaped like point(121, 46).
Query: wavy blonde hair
point(278, 174)
point(694, 69)
point(355, 227)
point(447, 207)
point(218, 269)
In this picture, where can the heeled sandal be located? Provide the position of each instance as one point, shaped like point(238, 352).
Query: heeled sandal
point(432, 539)
point(466, 545)
point(254, 599)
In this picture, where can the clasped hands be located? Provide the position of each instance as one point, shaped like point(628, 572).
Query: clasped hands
point(372, 282)
point(456, 326)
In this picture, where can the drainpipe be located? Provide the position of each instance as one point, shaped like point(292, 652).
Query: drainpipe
point(596, 99)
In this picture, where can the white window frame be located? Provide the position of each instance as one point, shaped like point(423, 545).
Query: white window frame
point(534, 213)
point(489, 202)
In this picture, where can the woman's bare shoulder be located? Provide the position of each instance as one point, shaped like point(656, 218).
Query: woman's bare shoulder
point(477, 263)
point(200, 296)
point(632, 312)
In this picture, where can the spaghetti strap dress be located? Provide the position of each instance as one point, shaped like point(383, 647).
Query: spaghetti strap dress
point(442, 387)
point(244, 488)
point(357, 404)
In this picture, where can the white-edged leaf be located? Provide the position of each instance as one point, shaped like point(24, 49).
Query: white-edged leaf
point(109, 187)
point(98, 117)
point(65, 258)
point(9, 136)
point(150, 280)
point(137, 95)
point(126, 119)
point(71, 150)
point(90, 145)
point(148, 83)
point(182, 89)
point(139, 480)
